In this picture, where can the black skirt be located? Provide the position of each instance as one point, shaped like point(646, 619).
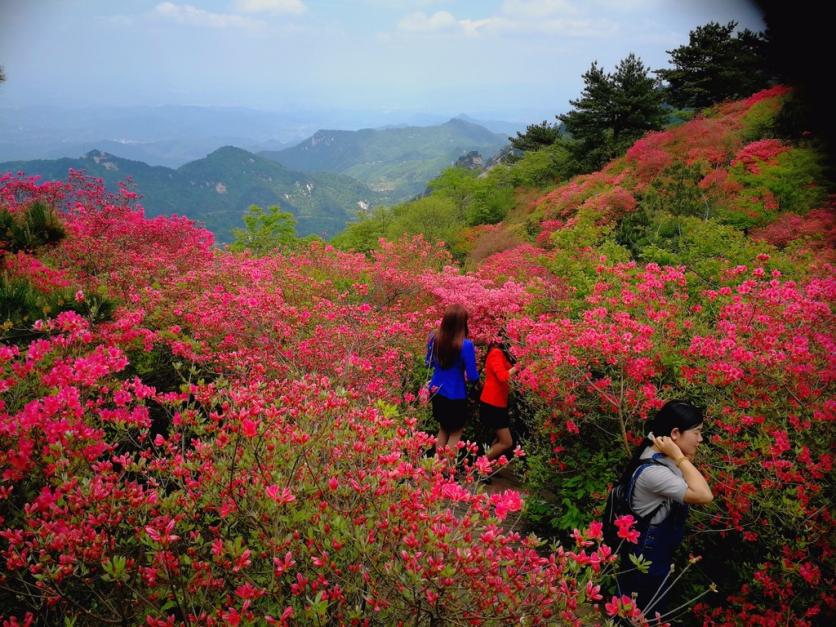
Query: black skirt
point(494, 417)
point(451, 413)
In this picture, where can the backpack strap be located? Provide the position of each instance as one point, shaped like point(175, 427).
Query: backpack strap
point(647, 463)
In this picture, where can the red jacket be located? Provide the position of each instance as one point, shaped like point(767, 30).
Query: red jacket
point(497, 379)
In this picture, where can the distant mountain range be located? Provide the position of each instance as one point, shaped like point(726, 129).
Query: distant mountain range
point(324, 181)
point(174, 135)
point(217, 189)
point(167, 135)
point(398, 161)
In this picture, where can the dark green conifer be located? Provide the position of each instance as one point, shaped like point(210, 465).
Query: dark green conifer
point(716, 64)
point(612, 112)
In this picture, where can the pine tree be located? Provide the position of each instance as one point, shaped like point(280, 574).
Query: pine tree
point(612, 112)
point(536, 136)
point(637, 102)
point(716, 65)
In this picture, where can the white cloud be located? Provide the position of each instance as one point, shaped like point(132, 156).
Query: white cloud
point(580, 27)
point(537, 8)
point(516, 17)
point(628, 5)
point(275, 7)
point(192, 16)
point(403, 5)
point(421, 22)
point(488, 24)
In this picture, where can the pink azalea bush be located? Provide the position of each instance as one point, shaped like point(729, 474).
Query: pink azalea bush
point(278, 476)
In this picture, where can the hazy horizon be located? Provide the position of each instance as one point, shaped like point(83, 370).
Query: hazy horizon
point(518, 60)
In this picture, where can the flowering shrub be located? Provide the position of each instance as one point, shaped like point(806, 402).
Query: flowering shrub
point(239, 441)
point(817, 228)
point(265, 501)
point(282, 487)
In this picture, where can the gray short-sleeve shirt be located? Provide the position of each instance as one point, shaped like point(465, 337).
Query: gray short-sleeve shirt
point(658, 484)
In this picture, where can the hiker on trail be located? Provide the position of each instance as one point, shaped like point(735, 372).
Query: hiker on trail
point(664, 483)
point(493, 403)
point(453, 360)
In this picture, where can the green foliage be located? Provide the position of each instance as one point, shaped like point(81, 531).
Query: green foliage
point(437, 218)
point(581, 246)
point(541, 167)
point(38, 225)
point(21, 304)
point(793, 180)
point(480, 199)
point(536, 136)
point(457, 184)
point(705, 247)
point(613, 111)
point(568, 495)
point(459, 198)
point(715, 65)
point(675, 190)
point(363, 234)
point(759, 121)
point(264, 232)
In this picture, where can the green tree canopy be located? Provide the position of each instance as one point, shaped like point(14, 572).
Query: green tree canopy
point(536, 136)
point(716, 64)
point(263, 231)
point(612, 112)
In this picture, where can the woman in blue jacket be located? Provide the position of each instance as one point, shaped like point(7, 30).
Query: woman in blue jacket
point(453, 360)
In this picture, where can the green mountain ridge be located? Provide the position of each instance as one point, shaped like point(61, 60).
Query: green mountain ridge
point(396, 161)
point(217, 189)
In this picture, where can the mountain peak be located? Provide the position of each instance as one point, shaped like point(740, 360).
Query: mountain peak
point(461, 121)
point(96, 154)
point(229, 151)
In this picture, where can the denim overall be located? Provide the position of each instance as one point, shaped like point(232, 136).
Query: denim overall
point(656, 544)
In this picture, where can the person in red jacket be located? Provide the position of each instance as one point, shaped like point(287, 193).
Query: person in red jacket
point(493, 403)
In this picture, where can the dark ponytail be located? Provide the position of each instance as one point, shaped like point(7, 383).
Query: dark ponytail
point(680, 415)
point(503, 343)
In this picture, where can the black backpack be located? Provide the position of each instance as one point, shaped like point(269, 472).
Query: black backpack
point(618, 504)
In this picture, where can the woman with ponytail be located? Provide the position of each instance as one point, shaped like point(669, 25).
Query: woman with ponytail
point(453, 360)
point(662, 481)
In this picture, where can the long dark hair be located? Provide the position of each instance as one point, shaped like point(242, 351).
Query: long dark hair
point(449, 337)
point(680, 415)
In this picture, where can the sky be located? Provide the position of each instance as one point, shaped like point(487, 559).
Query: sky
point(504, 59)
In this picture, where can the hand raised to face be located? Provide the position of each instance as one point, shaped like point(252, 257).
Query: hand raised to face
point(667, 446)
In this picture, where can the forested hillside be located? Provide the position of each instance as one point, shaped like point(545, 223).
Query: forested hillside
point(395, 161)
point(217, 189)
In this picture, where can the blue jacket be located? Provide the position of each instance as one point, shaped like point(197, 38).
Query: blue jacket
point(450, 382)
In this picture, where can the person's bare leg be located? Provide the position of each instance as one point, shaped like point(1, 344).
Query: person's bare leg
point(502, 443)
point(441, 441)
point(454, 438)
